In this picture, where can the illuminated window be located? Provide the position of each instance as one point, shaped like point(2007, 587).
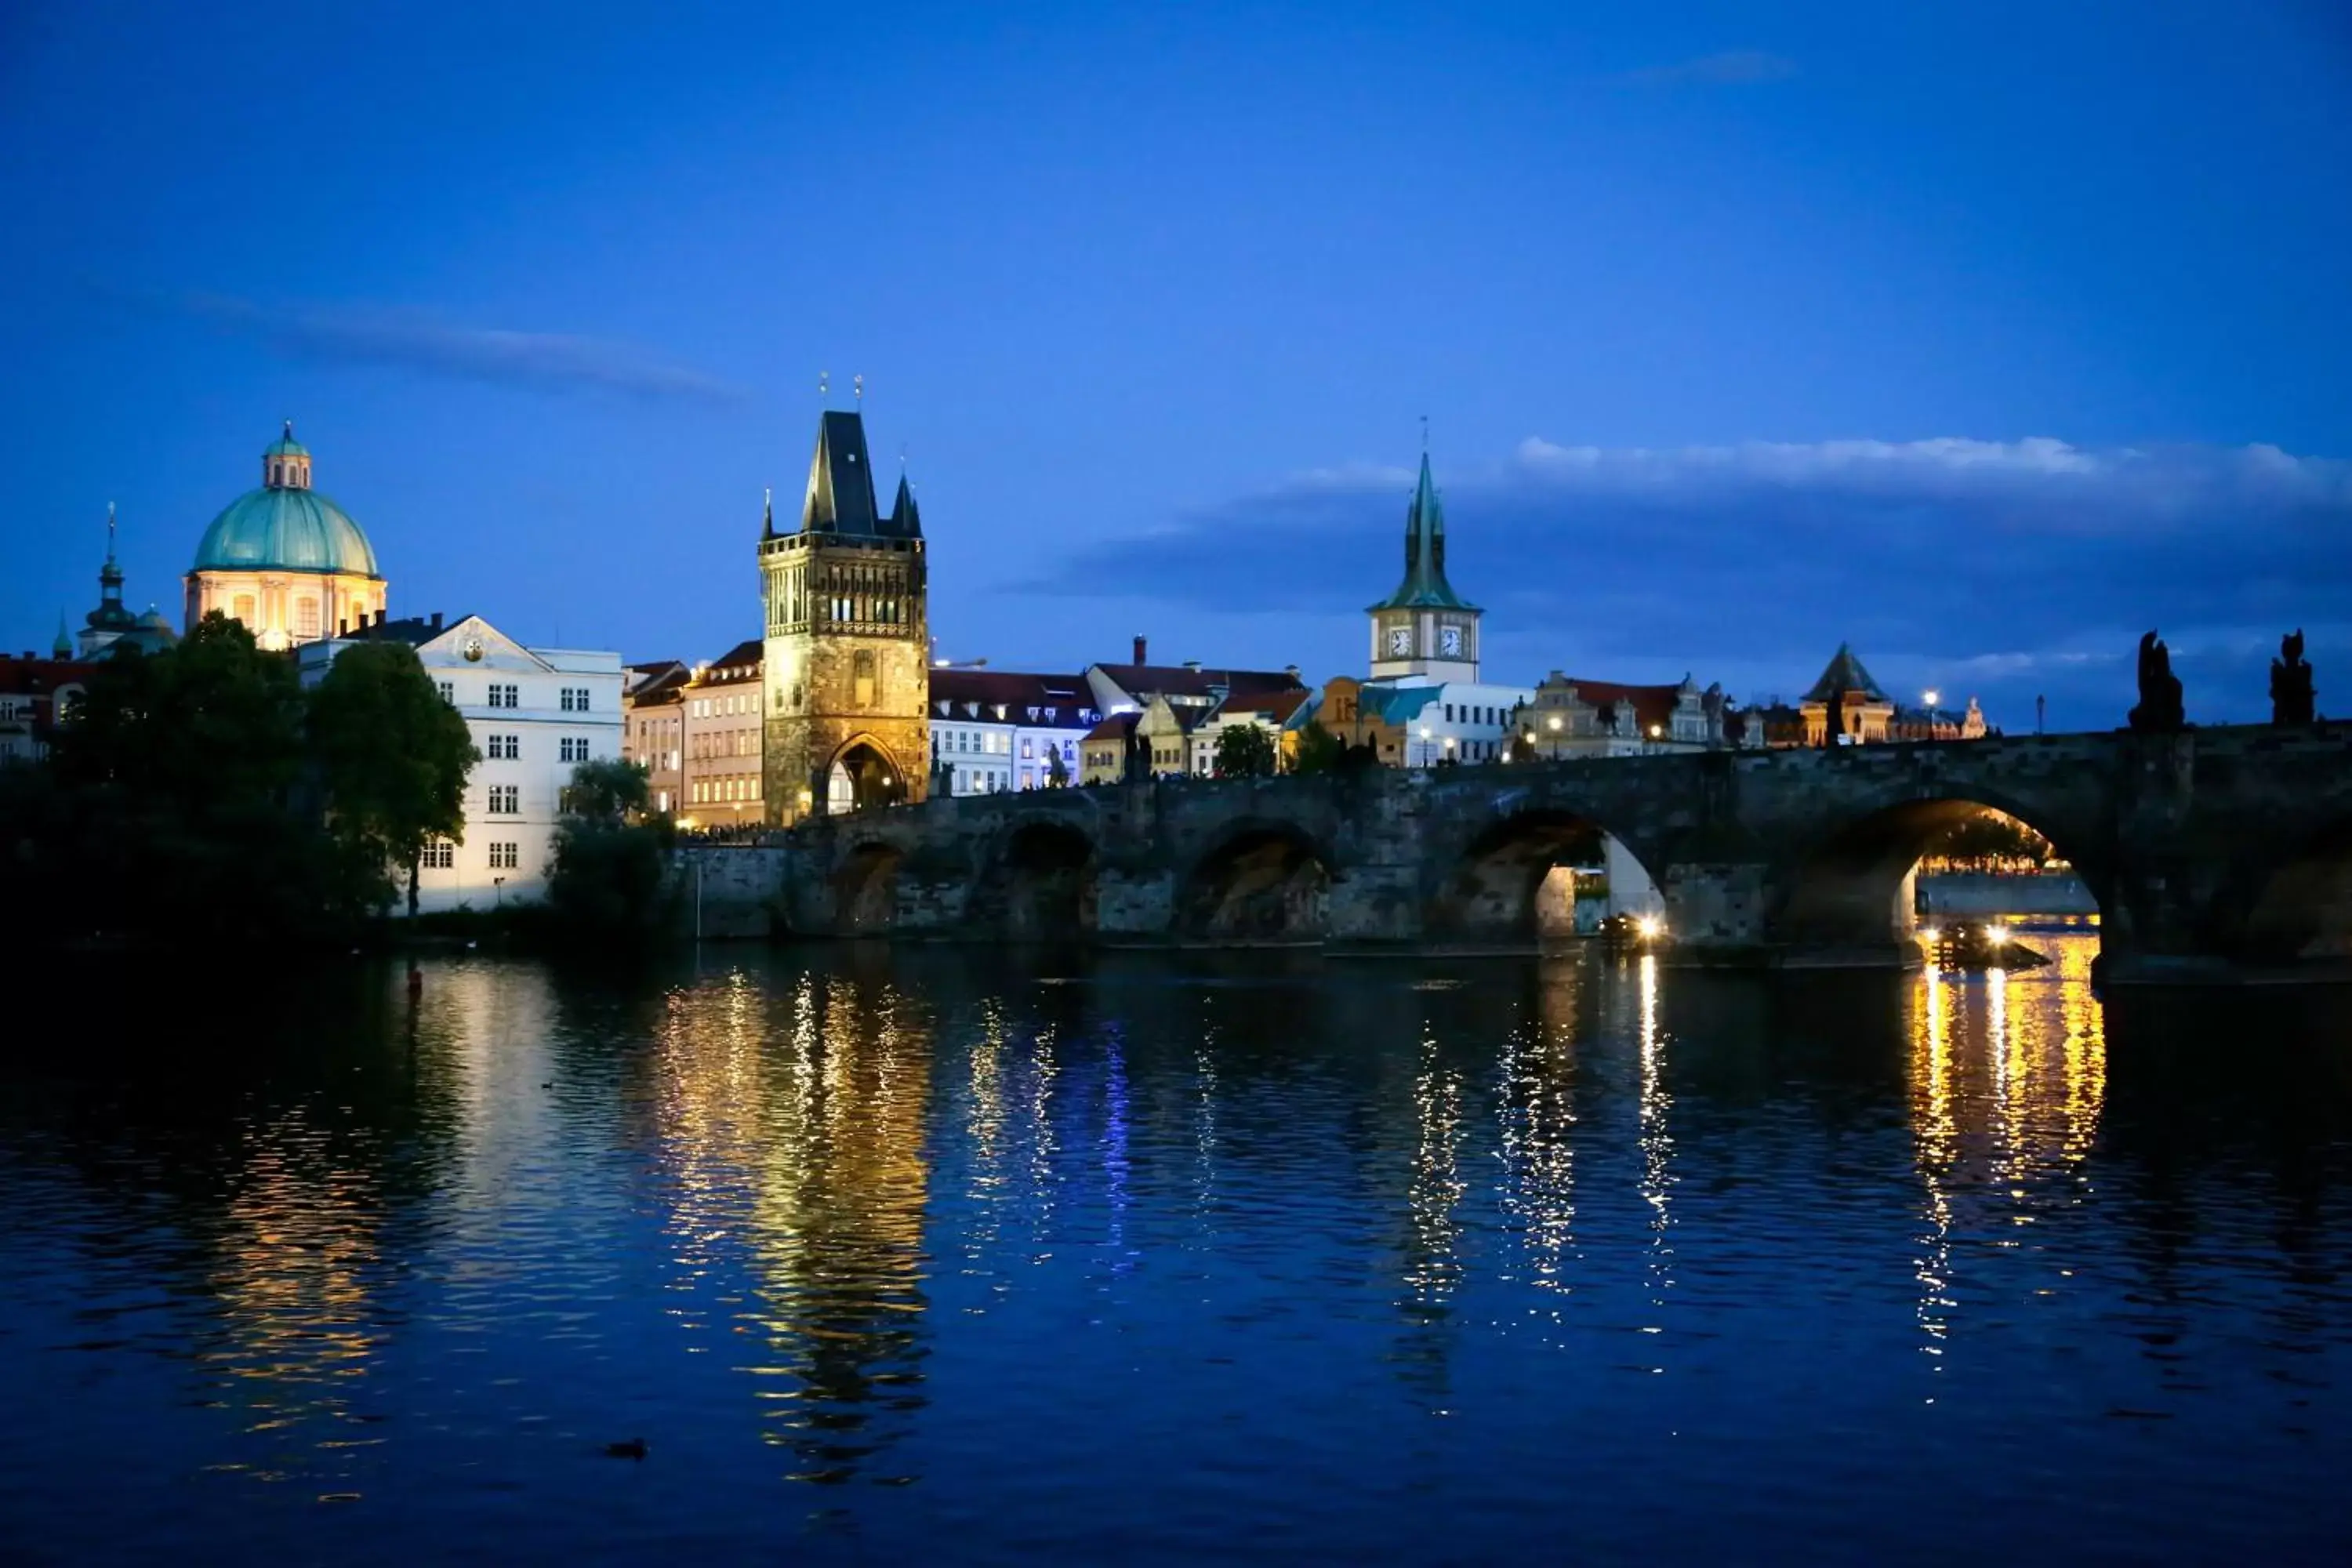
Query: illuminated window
point(862, 677)
point(243, 608)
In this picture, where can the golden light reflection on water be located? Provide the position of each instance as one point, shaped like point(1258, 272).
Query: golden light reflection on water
point(2007, 1084)
point(795, 1144)
point(1536, 1140)
point(1433, 1263)
point(1657, 1141)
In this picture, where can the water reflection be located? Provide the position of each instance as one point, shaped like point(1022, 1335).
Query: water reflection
point(793, 1135)
point(1154, 1260)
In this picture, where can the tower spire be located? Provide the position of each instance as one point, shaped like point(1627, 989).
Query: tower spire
point(767, 511)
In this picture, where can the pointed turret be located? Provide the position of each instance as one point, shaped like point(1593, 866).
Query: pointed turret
point(906, 518)
point(840, 480)
point(1845, 674)
point(1424, 585)
point(63, 647)
point(768, 513)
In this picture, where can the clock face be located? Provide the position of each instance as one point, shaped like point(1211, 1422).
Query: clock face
point(473, 650)
point(1449, 640)
point(1400, 641)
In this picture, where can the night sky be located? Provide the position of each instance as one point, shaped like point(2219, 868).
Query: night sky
point(1985, 338)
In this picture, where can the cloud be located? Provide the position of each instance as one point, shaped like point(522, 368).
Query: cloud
point(2011, 568)
point(1730, 67)
point(417, 341)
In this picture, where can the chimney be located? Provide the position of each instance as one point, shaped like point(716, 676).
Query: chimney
point(379, 617)
point(1138, 650)
point(1192, 664)
point(436, 620)
point(343, 628)
point(1291, 671)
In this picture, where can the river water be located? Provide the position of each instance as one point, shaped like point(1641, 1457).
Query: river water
point(925, 1254)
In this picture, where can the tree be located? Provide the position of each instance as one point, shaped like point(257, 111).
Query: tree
point(1522, 748)
point(1319, 750)
point(393, 757)
point(1057, 772)
point(1989, 839)
point(608, 880)
point(1245, 752)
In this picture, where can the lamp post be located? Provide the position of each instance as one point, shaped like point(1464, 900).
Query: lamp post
point(1930, 696)
point(1424, 745)
point(1657, 731)
point(1552, 724)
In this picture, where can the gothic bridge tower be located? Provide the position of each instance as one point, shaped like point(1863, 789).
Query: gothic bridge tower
point(1424, 631)
point(847, 670)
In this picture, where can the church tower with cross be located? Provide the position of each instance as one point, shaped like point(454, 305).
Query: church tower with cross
point(845, 676)
point(1424, 631)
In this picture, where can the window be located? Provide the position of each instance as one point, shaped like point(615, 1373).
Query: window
point(505, 800)
point(306, 619)
point(505, 696)
point(861, 667)
point(1449, 712)
point(505, 856)
point(243, 608)
point(575, 700)
point(448, 691)
point(439, 855)
point(504, 748)
point(572, 748)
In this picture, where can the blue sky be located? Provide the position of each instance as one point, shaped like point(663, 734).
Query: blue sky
point(1984, 339)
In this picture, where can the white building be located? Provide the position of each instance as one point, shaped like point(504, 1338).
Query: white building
point(535, 714)
point(994, 731)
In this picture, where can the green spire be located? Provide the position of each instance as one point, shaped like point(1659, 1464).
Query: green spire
point(63, 647)
point(1424, 586)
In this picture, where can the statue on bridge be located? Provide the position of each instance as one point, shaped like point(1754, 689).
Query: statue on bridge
point(2159, 710)
point(2290, 692)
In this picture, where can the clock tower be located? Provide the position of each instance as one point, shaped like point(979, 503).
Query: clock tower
point(1424, 631)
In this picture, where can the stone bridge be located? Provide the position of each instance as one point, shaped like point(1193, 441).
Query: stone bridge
point(2214, 854)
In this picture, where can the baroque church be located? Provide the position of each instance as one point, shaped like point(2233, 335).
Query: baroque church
point(285, 560)
point(845, 656)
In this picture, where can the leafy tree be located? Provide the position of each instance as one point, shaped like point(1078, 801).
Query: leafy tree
point(181, 805)
point(1057, 772)
point(1522, 748)
point(608, 880)
point(1319, 750)
point(393, 757)
point(1989, 838)
point(1245, 752)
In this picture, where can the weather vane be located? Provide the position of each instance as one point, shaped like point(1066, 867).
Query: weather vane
point(857, 389)
point(824, 383)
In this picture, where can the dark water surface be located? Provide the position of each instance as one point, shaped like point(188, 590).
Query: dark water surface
point(931, 1255)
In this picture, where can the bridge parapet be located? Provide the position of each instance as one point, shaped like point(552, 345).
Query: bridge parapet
point(2210, 852)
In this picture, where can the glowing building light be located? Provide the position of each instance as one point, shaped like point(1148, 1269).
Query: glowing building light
point(1996, 934)
point(1650, 926)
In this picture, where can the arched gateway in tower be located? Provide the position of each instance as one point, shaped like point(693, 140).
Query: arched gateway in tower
point(847, 678)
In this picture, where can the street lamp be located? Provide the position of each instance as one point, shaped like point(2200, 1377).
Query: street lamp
point(1424, 745)
point(1931, 696)
point(1552, 724)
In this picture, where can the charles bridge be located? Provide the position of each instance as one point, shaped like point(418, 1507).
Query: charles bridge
point(2215, 854)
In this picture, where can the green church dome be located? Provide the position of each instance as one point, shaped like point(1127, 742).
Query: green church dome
point(281, 528)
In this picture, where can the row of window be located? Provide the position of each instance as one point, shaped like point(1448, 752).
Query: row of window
point(441, 854)
point(575, 698)
point(508, 748)
point(720, 707)
point(1475, 713)
point(506, 694)
point(713, 792)
point(745, 742)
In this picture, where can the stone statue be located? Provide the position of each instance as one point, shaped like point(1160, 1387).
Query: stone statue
point(2159, 710)
point(2291, 693)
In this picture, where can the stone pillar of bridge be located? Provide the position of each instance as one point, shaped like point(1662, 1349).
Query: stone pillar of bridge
point(1714, 910)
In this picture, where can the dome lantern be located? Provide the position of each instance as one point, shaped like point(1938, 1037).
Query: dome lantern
point(286, 463)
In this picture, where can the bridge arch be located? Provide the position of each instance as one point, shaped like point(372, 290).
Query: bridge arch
point(1516, 878)
point(1036, 882)
point(1850, 888)
point(1261, 881)
point(863, 773)
point(866, 888)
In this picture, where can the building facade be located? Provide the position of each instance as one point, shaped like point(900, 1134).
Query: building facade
point(285, 560)
point(535, 714)
point(653, 729)
point(1574, 717)
point(995, 729)
point(845, 654)
point(724, 738)
point(36, 695)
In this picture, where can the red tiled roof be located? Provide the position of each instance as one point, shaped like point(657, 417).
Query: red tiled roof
point(745, 655)
point(1118, 727)
point(39, 676)
point(1278, 706)
point(1651, 704)
point(1061, 701)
